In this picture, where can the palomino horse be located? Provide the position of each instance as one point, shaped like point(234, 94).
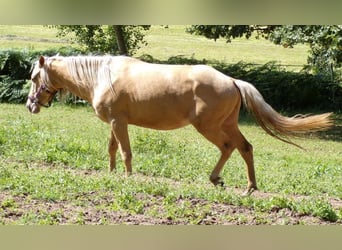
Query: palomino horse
point(123, 91)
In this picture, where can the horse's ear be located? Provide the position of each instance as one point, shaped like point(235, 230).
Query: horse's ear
point(41, 61)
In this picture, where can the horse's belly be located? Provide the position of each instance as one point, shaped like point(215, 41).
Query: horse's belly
point(159, 118)
point(160, 124)
point(169, 112)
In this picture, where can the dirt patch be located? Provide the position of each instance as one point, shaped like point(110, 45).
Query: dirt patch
point(94, 210)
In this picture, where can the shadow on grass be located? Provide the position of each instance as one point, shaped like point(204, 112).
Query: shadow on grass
point(335, 132)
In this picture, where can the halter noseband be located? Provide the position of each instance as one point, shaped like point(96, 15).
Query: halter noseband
point(35, 98)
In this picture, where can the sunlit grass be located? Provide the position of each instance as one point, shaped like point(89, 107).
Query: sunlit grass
point(45, 157)
point(32, 37)
point(174, 41)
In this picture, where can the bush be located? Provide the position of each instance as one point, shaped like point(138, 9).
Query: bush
point(15, 64)
point(286, 90)
point(15, 71)
point(13, 91)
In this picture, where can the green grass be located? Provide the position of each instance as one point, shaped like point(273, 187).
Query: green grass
point(34, 37)
point(173, 41)
point(60, 157)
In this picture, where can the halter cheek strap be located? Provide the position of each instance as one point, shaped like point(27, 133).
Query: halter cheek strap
point(34, 99)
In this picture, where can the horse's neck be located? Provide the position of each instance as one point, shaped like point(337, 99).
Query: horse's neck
point(81, 91)
point(64, 80)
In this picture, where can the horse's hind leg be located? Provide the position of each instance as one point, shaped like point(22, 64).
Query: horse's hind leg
point(222, 141)
point(246, 151)
point(226, 151)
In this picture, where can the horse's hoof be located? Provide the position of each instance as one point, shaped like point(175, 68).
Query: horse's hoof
point(218, 182)
point(111, 169)
point(248, 192)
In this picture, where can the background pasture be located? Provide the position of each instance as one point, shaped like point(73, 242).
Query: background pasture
point(53, 166)
point(167, 42)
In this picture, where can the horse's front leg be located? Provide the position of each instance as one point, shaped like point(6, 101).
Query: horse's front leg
point(120, 131)
point(112, 149)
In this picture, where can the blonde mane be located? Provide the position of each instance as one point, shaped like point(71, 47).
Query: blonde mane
point(90, 71)
point(86, 72)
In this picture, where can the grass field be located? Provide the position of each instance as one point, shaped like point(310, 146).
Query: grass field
point(34, 37)
point(53, 166)
point(173, 41)
point(167, 42)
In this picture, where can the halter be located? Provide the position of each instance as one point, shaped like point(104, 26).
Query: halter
point(35, 98)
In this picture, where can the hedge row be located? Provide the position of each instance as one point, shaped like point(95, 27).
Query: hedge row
point(15, 71)
point(284, 90)
point(287, 90)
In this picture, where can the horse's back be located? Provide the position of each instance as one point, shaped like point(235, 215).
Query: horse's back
point(168, 96)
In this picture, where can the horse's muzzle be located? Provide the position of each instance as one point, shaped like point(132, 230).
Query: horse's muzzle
point(32, 107)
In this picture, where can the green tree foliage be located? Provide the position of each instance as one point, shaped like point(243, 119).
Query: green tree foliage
point(230, 32)
point(105, 38)
point(325, 41)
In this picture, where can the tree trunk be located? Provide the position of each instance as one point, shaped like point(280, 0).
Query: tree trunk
point(120, 39)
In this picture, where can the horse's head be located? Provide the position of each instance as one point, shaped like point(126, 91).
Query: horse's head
point(41, 92)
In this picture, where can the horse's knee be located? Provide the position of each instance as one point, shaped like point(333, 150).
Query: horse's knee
point(112, 144)
point(247, 147)
point(112, 149)
point(227, 145)
point(127, 157)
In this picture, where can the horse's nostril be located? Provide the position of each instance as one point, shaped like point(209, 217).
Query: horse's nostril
point(33, 108)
